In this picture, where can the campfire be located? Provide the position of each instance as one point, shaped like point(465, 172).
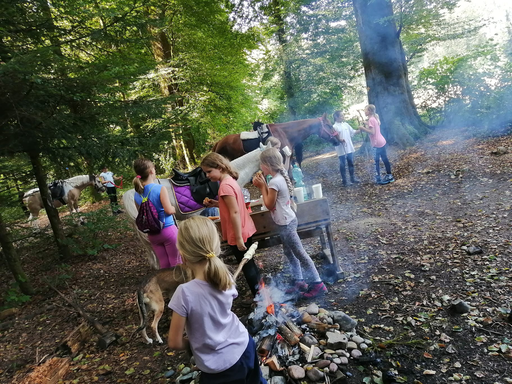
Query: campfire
point(305, 343)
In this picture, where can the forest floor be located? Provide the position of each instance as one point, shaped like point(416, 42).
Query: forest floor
point(404, 248)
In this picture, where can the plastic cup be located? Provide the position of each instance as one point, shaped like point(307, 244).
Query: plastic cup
point(317, 191)
point(299, 194)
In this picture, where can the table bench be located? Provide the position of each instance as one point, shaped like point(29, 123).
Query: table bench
point(314, 220)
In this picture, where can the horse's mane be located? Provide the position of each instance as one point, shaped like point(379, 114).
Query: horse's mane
point(78, 180)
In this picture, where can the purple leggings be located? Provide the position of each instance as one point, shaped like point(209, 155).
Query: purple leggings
point(164, 246)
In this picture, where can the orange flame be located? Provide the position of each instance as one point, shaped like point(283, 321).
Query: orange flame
point(266, 297)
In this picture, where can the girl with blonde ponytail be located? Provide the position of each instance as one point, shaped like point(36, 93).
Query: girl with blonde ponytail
point(223, 349)
point(277, 198)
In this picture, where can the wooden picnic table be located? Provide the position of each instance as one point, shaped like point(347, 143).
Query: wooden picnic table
point(314, 220)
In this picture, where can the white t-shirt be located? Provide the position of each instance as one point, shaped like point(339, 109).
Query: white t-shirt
point(108, 179)
point(345, 133)
point(217, 337)
point(282, 213)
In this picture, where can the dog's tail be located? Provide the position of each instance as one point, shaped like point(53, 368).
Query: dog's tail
point(142, 312)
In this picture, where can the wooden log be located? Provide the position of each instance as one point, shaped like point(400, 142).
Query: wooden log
point(273, 363)
point(76, 340)
point(51, 372)
point(288, 335)
point(265, 345)
point(322, 327)
point(294, 328)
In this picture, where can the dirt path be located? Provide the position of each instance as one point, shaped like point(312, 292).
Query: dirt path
point(402, 247)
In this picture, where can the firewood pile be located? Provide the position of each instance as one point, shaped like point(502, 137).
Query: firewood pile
point(305, 344)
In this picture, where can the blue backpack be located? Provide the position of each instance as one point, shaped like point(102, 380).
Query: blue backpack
point(147, 219)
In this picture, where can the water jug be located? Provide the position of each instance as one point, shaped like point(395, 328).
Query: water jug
point(297, 175)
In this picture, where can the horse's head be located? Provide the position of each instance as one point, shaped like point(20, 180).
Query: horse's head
point(256, 125)
point(327, 131)
point(96, 182)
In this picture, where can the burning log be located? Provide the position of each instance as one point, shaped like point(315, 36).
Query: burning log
point(294, 328)
point(265, 346)
point(287, 334)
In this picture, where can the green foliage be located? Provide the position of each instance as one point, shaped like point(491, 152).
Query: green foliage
point(92, 235)
point(14, 298)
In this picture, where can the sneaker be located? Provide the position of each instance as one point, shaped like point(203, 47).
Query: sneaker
point(299, 286)
point(378, 180)
point(389, 178)
point(355, 181)
point(315, 290)
point(344, 183)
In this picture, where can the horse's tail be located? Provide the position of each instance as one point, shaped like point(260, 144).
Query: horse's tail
point(21, 198)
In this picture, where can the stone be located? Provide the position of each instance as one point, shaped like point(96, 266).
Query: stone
point(474, 250)
point(327, 356)
point(169, 373)
point(330, 351)
point(459, 306)
point(356, 353)
point(185, 370)
point(315, 374)
point(296, 372)
point(336, 360)
point(336, 340)
point(265, 372)
point(345, 321)
point(363, 346)
point(277, 380)
point(333, 367)
point(322, 363)
point(344, 360)
point(357, 339)
point(351, 345)
point(312, 309)
point(308, 340)
point(368, 342)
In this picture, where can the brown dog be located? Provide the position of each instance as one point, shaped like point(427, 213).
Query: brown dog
point(152, 294)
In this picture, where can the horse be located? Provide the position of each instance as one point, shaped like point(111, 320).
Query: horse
point(246, 165)
point(63, 192)
point(290, 134)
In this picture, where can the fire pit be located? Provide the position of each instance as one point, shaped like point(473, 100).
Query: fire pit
point(297, 344)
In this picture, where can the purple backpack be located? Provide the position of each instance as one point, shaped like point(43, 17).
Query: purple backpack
point(147, 220)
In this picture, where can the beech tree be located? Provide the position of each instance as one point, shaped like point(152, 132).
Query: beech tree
point(386, 71)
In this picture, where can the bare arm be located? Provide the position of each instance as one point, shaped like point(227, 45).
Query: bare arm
point(269, 194)
point(176, 340)
point(367, 128)
point(236, 222)
point(164, 199)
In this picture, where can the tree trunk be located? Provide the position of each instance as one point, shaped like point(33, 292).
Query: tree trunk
point(278, 19)
point(53, 214)
point(163, 48)
point(13, 261)
point(386, 72)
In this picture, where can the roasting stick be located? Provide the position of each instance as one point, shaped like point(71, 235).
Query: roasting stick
point(248, 256)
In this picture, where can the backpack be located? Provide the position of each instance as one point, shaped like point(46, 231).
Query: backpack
point(147, 219)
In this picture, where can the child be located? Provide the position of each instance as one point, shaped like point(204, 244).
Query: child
point(276, 197)
point(223, 349)
point(163, 243)
point(379, 143)
point(107, 178)
point(345, 150)
point(237, 225)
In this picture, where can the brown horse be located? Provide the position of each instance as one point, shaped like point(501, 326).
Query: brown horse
point(290, 134)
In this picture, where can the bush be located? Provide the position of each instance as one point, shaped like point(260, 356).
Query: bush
point(92, 234)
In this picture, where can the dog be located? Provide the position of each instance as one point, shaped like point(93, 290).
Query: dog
point(152, 294)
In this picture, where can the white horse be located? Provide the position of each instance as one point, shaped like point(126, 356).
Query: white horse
point(72, 188)
point(246, 166)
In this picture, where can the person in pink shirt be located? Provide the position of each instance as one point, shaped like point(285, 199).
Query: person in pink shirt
point(237, 225)
point(372, 126)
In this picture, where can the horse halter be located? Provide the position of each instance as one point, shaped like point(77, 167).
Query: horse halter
point(331, 135)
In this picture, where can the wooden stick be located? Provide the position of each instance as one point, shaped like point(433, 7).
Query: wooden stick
point(288, 335)
point(248, 256)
